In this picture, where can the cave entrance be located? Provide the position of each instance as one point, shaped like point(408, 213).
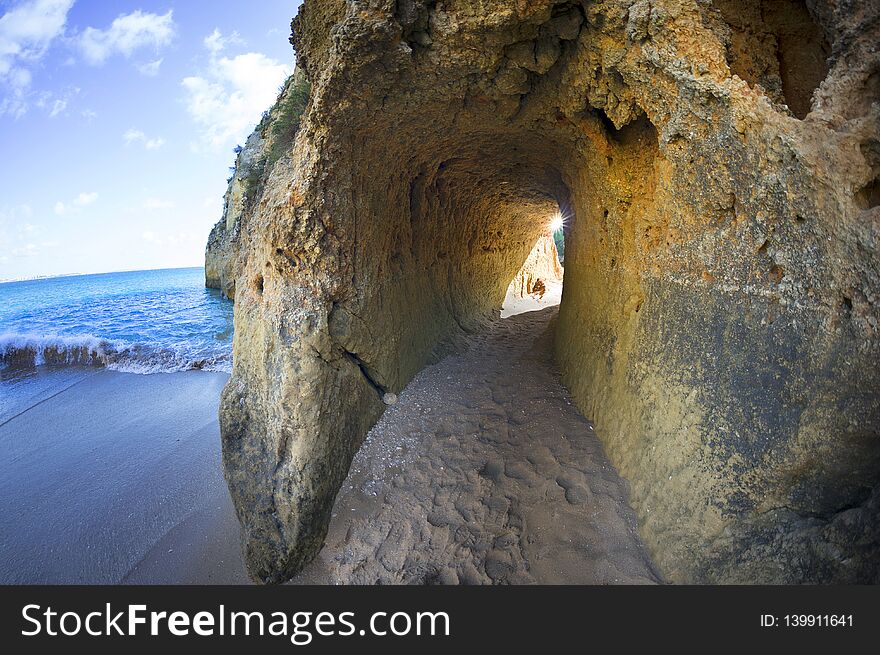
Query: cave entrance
point(557, 229)
point(439, 139)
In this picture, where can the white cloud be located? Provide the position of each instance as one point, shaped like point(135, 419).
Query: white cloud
point(137, 136)
point(228, 100)
point(173, 240)
point(127, 33)
point(133, 135)
point(27, 30)
point(89, 114)
point(151, 68)
point(53, 103)
point(26, 33)
point(85, 199)
point(157, 203)
point(215, 42)
point(59, 106)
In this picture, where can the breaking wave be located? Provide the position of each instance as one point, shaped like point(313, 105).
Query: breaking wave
point(30, 350)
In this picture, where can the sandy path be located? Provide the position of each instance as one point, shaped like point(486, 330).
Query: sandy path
point(484, 472)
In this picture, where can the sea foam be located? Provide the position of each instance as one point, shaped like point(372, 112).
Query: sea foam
point(136, 322)
point(30, 350)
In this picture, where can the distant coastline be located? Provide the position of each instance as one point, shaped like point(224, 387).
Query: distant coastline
point(37, 277)
point(33, 278)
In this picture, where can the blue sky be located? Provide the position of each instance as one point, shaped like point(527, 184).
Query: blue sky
point(118, 121)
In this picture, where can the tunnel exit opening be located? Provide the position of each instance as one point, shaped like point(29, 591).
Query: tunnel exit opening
point(557, 228)
point(539, 281)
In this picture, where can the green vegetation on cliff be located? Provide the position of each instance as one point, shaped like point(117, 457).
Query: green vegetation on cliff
point(289, 111)
point(280, 126)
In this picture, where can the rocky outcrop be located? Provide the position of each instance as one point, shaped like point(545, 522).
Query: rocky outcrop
point(253, 162)
point(719, 165)
point(541, 267)
point(220, 254)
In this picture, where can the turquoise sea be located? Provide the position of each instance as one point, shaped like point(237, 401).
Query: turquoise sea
point(137, 322)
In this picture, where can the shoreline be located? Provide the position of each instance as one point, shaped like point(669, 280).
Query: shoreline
point(96, 473)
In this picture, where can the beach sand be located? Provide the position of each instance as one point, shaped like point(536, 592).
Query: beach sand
point(484, 472)
point(98, 468)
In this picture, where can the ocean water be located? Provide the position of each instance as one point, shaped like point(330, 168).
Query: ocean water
point(136, 322)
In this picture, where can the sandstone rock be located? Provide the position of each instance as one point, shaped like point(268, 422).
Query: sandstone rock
point(220, 253)
point(719, 164)
point(243, 190)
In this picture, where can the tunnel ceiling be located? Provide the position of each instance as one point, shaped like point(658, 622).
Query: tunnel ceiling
point(717, 162)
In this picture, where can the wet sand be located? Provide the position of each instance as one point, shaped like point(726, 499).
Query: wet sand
point(96, 467)
point(204, 548)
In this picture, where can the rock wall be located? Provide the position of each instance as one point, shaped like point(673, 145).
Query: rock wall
point(719, 321)
point(253, 161)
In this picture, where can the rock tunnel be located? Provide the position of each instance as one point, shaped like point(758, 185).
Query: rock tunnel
point(717, 166)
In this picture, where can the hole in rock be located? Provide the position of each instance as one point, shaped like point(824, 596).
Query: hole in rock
point(776, 273)
point(776, 44)
point(868, 196)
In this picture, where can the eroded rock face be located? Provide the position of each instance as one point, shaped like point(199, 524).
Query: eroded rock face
point(220, 253)
point(719, 322)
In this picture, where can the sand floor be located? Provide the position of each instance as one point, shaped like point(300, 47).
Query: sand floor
point(484, 472)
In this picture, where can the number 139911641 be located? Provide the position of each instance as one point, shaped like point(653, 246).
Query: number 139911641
point(807, 621)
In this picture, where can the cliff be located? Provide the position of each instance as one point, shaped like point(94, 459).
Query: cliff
point(253, 162)
point(719, 162)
